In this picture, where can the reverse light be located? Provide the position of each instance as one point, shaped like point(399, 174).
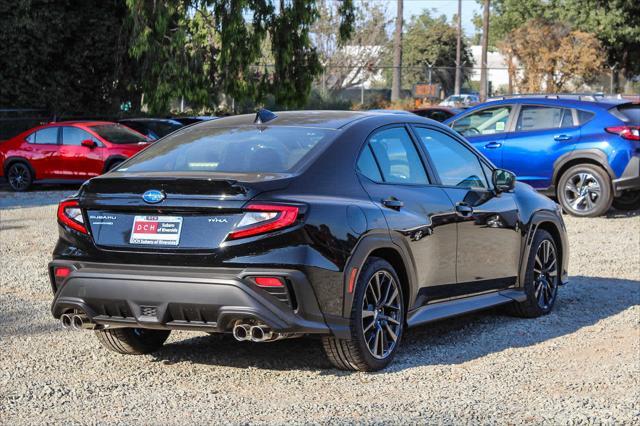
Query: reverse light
point(631, 133)
point(261, 218)
point(70, 214)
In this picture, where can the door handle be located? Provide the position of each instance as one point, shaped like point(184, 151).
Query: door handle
point(464, 209)
point(562, 138)
point(493, 145)
point(393, 203)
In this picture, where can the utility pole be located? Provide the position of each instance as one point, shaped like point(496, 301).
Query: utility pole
point(485, 46)
point(458, 82)
point(397, 55)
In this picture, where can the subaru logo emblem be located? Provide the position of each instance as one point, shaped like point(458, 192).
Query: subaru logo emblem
point(153, 196)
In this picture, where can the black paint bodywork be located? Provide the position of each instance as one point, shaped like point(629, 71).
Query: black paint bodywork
point(439, 254)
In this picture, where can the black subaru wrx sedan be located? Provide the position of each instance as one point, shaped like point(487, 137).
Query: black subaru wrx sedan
point(351, 226)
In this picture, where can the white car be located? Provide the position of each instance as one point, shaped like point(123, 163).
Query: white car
point(460, 100)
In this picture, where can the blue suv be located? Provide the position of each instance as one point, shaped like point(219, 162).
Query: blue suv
point(584, 152)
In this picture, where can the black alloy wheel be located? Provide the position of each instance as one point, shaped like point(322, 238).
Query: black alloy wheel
point(541, 279)
point(377, 321)
point(19, 177)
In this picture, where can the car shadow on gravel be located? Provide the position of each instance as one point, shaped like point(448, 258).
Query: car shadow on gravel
point(622, 214)
point(582, 303)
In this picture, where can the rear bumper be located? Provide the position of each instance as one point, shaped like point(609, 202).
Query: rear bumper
point(205, 299)
point(630, 177)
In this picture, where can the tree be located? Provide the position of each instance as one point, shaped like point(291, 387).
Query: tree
point(553, 55)
point(349, 65)
point(67, 56)
point(215, 47)
point(396, 80)
point(431, 42)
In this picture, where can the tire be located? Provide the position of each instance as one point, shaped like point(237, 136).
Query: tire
point(629, 200)
point(386, 321)
point(19, 176)
point(541, 288)
point(584, 190)
point(132, 341)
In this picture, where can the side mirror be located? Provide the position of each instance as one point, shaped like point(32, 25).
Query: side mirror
point(503, 180)
point(89, 143)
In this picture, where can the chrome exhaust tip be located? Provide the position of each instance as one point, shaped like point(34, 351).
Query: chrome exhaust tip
point(241, 332)
point(260, 333)
point(66, 321)
point(78, 322)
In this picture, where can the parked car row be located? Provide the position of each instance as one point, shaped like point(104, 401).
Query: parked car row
point(74, 151)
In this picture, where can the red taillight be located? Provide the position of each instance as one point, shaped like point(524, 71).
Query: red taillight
point(269, 282)
point(70, 214)
point(631, 133)
point(261, 218)
point(61, 272)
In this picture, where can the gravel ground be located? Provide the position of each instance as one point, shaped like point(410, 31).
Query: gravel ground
point(580, 364)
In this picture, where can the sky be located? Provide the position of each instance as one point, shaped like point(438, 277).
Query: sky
point(442, 7)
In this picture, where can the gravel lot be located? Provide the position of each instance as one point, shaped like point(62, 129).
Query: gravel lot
point(580, 364)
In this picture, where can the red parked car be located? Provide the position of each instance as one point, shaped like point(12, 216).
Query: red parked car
point(66, 152)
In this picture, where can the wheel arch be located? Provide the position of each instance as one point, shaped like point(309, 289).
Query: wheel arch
point(9, 161)
point(550, 222)
point(594, 156)
point(110, 160)
point(383, 247)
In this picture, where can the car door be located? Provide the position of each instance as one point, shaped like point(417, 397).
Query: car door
point(77, 161)
point(489, 240)
point(540, 135)
point(486, 130)
point(419, 215)
point(41, 149)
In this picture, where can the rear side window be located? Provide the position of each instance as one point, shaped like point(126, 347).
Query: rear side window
point(397, 157)
point(533, 117)
point(48, 136)
point(367, 165)
point(584, 116)
point(248, 149)
point(629, 113)
point(484, 122)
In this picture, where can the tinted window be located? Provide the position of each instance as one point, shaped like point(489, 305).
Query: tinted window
point(485, 122)
point(163, 128)
point(45, 136)
point(224, 149)
point(117, 133)
point(455, 163)
point(397, 157)
point(74, 136)
point(584, 116)
point(630, 112)
point(541, 117)
point(367, 165)
point(140, 128)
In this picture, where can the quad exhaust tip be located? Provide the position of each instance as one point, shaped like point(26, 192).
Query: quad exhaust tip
point(76, 322)
point(258, 333)
point(67, 321)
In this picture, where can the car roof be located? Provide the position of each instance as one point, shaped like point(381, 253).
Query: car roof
point(149, 120)
point(603, 103)
point(319, 119)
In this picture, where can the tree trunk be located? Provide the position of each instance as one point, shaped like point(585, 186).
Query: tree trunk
point(458, 78)
point(397, 55)
point(485, 46)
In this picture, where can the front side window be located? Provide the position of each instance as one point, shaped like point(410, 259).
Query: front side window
point(247, 149)
point(74, 136)
point(48, 136)
point(533, 117)
point(455, 163)
point(397, 157)
point(484, 122)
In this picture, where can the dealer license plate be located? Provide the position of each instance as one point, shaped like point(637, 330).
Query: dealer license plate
point(156, 230)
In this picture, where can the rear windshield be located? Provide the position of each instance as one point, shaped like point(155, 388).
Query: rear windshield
point(116, 133)
point(231, 150)
point(629, 113)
